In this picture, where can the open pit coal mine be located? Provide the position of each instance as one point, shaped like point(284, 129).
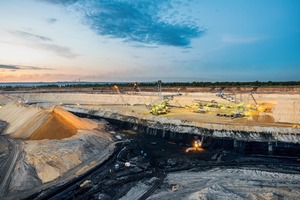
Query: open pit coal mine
point(153, 163)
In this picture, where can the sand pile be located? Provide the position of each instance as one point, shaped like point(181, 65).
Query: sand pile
point(287, 111)
point(53, 158)
point(34, 122)
point(72, 146)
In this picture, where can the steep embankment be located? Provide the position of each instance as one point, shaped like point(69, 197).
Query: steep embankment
point(287, 111)
point(35, 122)
point(48, 160)
point(68, 154)
point(240, 132)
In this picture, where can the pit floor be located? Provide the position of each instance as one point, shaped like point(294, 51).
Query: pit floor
point(189, 115)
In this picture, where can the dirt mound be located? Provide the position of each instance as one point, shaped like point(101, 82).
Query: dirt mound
point(55, 127)
point(79, 123)
point(34, 122)
point(53, 158)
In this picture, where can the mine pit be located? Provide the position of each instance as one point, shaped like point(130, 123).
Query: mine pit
point(99, 146)
point(160, 164)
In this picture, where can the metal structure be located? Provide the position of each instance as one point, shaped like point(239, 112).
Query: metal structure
point(250, 94)
point(159, 90)
point(118, 90)
point(136, 87)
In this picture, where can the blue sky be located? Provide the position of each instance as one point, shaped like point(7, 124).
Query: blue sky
point(132, 40)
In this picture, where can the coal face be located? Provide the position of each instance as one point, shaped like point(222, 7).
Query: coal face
point(158, 159)
point(245, 147)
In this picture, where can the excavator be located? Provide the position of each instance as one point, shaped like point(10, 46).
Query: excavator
point(159, 108)
point(162, 107)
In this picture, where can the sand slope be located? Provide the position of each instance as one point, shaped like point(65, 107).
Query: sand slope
point(53, 158)
point(34, 122)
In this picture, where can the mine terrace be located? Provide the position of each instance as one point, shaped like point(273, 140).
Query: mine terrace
point(139, 141)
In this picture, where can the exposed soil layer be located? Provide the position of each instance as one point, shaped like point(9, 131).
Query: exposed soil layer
point(37, 123)
point(287, 111)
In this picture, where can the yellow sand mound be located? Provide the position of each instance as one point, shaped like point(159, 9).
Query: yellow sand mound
point(79, 123)
point(34, 122)
point(55, 127)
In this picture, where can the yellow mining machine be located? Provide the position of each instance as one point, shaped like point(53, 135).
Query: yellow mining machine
point(162, 107)
point(159, 108)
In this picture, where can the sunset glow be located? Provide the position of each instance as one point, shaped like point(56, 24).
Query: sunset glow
point(68, 40)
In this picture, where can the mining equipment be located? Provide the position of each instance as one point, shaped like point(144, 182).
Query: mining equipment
point(162, 107)
point(159, 93)
point(120, 94)
point(197, 146)
point(232, 96)
point(251, 95)
point(159, 108)
point(136, 87)
point(220, 93)
point(229, 96)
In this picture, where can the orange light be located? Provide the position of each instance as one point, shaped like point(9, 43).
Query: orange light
point(196, 144)
point(193, 149)
point(115, 86)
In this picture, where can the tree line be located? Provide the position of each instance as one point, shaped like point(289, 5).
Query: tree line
point(167, 84)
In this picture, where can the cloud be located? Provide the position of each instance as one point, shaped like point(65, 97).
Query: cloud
point(20, 67)
point(59, 50)
point(45, 43)
point(51, 20)
point(9, 67)
point(31, 36)
point(37, 76)
point(136, 21)
point(35, 68)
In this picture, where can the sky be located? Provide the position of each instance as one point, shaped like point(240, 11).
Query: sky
point(149, 40)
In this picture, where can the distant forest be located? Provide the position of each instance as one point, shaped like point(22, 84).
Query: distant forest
point(226, 84)
point(195, 84)
point(164, 84)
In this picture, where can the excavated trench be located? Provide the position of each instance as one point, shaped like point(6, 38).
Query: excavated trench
point(267, 146)
point(149, 174)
